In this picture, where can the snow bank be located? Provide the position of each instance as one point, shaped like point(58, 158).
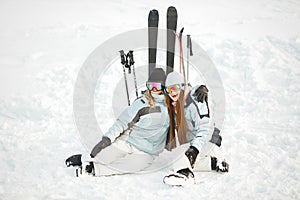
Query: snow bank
point(255, 46)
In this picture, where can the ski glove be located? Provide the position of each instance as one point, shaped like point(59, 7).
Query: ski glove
point(105, 142)
point(201, 94)
point(192, 154)
point(216, 137)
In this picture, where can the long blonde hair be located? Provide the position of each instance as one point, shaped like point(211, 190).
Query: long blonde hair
point(149, 98)
point(180, 125)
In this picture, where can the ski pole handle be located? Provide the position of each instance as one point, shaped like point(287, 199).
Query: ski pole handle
point(123, 60)
point(188, 39)
point(127, 63)
point(181, 31)
point(131, 60)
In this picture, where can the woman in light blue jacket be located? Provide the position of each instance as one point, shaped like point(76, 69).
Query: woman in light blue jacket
point(137, 136)
point(189, 127)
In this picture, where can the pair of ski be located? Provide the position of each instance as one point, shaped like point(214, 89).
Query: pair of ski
point(153, 20)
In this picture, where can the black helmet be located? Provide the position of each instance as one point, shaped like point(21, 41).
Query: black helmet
point(158, 75)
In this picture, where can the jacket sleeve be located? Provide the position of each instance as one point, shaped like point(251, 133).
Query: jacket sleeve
point(124, 121)
point(201, 128)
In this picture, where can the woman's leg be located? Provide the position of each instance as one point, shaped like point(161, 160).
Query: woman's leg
point(121, 158)
point(210, 158)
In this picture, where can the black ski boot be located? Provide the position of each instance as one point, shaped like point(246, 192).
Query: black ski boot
point(183, 177)
point(219, 166)
point(74, 161)
point(90, 168)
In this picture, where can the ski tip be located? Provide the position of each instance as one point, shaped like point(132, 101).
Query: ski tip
point(153, 15)
point(153, 12)
point(172, 12)
point(172, 9)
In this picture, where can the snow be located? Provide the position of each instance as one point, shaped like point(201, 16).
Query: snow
point(255, 46)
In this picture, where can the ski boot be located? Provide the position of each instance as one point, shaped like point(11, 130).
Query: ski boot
point(220, 166)
point(87, 171)
point(182, 177)
point(74, 160)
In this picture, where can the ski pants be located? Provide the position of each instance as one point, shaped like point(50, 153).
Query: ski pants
point(121, 158)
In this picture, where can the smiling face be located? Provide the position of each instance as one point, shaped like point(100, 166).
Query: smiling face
point(174, 95)
point(173, 91)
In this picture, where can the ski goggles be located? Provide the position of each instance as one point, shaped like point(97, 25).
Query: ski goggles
point(154, 85)
point(174, 88)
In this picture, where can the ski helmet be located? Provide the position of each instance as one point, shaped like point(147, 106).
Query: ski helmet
point(174, 78)
point(158, 75)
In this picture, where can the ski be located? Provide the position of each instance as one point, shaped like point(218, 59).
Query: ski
point(171, 30)
point(153, 19)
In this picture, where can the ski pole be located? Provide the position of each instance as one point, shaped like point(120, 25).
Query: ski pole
point(181, 54)
point(188, 54)
point(131, 63)
point(124, 63)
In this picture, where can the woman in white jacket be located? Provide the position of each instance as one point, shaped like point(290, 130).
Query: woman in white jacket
point(189, 128)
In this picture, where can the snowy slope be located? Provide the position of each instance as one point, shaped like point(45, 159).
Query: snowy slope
point(255, 45)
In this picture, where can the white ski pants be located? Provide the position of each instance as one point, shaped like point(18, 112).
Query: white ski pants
point(121, 158)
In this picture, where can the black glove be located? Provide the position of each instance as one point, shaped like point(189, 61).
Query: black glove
point(74, 160)
point(201, 93)
point(216, 137)
point(192, 153)
point(105, 142)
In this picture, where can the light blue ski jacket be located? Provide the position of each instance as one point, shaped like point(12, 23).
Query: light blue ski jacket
point(147, 126)
point(198, 122)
